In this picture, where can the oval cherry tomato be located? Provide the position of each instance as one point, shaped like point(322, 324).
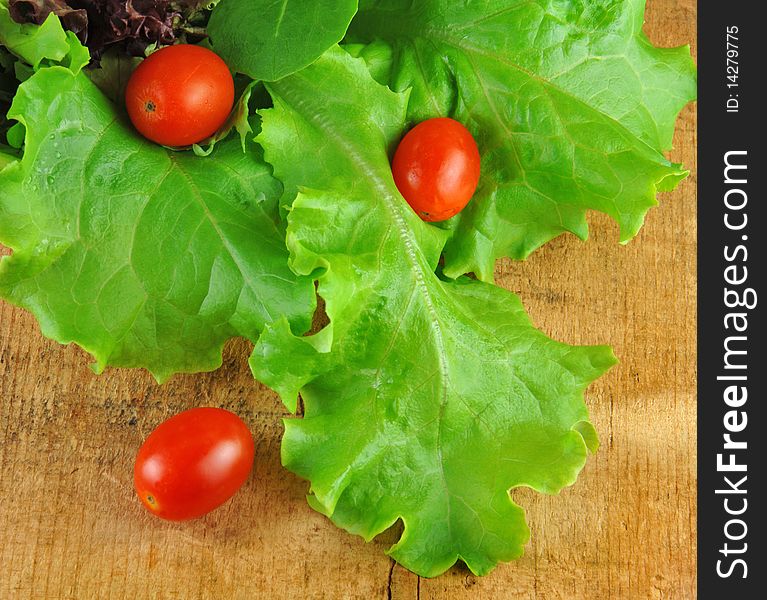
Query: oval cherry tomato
point(180, 95)
point(193, 462)
point(436, 168)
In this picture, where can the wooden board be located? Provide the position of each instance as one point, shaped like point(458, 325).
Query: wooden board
point(70, 526)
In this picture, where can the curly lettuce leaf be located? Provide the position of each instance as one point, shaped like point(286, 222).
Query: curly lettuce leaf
point(571, 105)
point(425, 400)
point(142, 256)
point(42, 45)
point(131, 25)
point(37, 11)
point(270, 39)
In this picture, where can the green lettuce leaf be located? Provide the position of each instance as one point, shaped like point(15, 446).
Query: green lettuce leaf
point(270, 39)
point(569, 101)
point(8, 85)
point(142, 256)
point(41, 45)
point(113, 73)
point(425, 400)
point(7, 156)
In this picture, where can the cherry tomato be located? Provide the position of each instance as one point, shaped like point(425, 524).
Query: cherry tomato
point(436, 168)
point(180, 95)
point(192, 463)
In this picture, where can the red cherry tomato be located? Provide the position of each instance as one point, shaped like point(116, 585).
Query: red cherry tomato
point(436, 168)
point(180, 95)
point(193, 463)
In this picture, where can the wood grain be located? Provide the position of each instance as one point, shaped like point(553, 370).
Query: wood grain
point(71, 528)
